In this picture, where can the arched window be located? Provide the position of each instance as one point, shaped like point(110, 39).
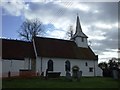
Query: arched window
point(86, 64)
point(50, 65)
point(67, 65)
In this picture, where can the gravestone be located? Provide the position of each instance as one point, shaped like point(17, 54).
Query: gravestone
point(75, 70)
point(68, 75)
point(115, 74)
point(79, 74)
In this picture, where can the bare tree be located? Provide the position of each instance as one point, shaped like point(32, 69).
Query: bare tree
point(30, 28)
point(69, 33)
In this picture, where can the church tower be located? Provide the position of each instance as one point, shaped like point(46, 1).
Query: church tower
point(79, 37)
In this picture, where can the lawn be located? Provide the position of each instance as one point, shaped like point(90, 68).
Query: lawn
point(36, 82)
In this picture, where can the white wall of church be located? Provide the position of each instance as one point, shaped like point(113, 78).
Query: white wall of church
point(0, 73)
point(0, 68)
point(13, 66)
point(27, 63)
point(59, 66)
point(38, 65)
point(99, 71)
point(79, 42)
point(83, 67)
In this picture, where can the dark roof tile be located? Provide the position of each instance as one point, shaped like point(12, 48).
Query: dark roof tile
point(16, 49)
point(45, 47)
point(49, 47)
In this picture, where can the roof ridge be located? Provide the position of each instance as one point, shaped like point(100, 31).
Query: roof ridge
point(54, 39)
point(15, 40)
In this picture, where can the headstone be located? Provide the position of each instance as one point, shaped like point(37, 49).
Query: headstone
point(79, 74)
point(75, 74)
point(75, 70)
point(68, 75)
point(115, 74)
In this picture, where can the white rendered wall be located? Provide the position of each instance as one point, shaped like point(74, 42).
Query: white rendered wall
point(27, 63)
point(0, 67)
point(38, 65)
point(13, 66)
point(83, 67)
point(79, 42)
point(0, 74)
point(98, 70)
point(59, 65)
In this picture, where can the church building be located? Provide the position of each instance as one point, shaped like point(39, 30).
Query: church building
point(53, 55)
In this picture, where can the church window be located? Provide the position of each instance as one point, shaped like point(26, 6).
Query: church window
point(90, 69)
point(50, 65)
point(67, 65)
point(82, 39)
point(86, 64)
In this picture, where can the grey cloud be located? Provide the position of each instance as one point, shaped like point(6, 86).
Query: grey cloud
point(110, 41)
point(108, 14)
point(108, 11)
point(106, 45)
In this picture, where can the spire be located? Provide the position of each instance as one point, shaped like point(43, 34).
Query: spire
point(78, 26)
point(79, 37)
point(78, 31)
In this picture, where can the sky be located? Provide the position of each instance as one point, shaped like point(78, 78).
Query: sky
point(99, 21)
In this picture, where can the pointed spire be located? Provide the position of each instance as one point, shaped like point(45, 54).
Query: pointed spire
point(79, 37)
point(78, 26)
point(78, 31)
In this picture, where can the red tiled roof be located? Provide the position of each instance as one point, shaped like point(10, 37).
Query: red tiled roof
point(15, 49)
point(86, 53)
point(48, 47)
point(45, 47)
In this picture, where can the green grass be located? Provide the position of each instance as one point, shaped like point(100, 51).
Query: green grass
point(36, 82)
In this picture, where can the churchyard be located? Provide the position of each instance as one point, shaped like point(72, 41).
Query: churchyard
point(61, 82)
